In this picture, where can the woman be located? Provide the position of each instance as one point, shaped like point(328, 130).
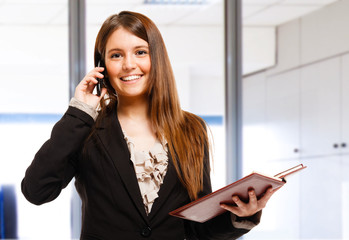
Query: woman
point(139, 156)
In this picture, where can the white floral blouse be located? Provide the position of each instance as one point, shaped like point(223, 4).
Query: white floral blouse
point(151, 168)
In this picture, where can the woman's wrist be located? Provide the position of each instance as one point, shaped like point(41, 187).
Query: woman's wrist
point(74, 102)
point(246, 222)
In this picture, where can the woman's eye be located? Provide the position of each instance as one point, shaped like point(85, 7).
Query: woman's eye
point(141, 52)
point(116, 55)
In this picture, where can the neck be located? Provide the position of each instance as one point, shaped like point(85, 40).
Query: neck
point(133, 108)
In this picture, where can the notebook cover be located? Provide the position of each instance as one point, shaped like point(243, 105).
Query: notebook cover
point(208, 206)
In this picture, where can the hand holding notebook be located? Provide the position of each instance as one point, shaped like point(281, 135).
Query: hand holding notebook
point(209, 206)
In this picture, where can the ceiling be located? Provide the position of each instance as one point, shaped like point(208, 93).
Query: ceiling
point(255, 12)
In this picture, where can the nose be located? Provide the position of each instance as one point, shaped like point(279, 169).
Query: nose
point(129, 63)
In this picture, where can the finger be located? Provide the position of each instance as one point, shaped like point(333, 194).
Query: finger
point(231, 209)
point(91, 86)
point(238, 202)
point(99, 69)
point(252, 197)
point(95, 73)
point(103, 92)
point(93, 77)
point(86, 81)
point(263, 201)
point(99, 75)
point(270, 191)
point(87, 84)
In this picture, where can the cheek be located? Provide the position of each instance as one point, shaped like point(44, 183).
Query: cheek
point(146, 66)
point(112, 70)
point(112, 73)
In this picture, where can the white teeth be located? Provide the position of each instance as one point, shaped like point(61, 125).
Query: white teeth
point(130, 78)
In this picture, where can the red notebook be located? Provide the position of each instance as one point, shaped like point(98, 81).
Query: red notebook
point(208, 207)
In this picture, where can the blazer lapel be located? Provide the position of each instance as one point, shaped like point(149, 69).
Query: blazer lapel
point(115, 145)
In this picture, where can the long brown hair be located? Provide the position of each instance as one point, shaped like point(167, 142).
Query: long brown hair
point(184, 132)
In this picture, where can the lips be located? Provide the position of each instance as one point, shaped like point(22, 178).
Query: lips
point(131, 78)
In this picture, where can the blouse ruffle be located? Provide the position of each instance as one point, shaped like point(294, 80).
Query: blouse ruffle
point(150, 168)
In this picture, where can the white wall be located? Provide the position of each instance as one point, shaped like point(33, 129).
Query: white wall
point(30, 56)
point(313, 38)
point(301, 104)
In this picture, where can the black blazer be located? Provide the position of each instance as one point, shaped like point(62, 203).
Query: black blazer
point(112, 206)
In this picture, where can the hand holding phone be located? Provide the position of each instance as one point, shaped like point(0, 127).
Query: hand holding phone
point(86, 92)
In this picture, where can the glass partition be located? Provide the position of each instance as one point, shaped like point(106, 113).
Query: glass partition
point(34, 95)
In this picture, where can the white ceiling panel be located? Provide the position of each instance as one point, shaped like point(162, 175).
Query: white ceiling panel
point(167, 14)
point(249, 10)
point(114, 2)
point(278, 14)
point(261, 2)
point(28, 13)
point(307, 2)
point(30, 2)
point(97, 13)
point(206, 15)
point(255, 12)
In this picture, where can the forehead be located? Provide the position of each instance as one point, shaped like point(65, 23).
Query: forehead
point(123, 39)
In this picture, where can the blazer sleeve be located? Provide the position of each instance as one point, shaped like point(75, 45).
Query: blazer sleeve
point(54, 165)
point(224, 226)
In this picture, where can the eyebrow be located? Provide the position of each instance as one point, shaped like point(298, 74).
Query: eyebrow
point(137, 47)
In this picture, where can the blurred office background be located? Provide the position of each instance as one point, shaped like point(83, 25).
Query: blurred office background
point(295, 100)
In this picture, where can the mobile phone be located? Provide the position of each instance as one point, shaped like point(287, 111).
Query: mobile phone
point(100, 82)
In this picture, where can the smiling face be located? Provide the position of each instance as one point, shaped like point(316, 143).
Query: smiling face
point(127, 61)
